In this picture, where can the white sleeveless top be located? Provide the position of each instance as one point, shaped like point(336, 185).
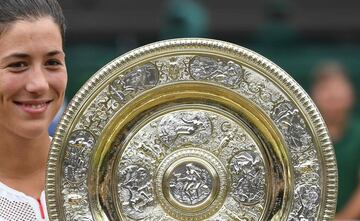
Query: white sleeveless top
point(17, 206)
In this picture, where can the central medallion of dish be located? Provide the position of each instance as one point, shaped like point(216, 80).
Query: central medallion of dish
point(191, 162)
point(190, 183)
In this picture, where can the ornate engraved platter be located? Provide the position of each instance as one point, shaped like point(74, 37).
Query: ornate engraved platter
point(191, 129)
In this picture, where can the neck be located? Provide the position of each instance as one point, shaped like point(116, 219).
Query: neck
point(21, 157)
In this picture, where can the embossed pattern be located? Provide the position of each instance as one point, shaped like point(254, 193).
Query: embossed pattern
point(221, 71)
point(135, 191)
point(248, 177)
point(185, 128)
point(190, 184)
point(141, 78)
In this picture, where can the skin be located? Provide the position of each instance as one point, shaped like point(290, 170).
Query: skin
point(33, 78)
point(334, 97)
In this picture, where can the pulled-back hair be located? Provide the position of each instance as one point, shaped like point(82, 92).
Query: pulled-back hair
point(327, 69)
point(15, 10)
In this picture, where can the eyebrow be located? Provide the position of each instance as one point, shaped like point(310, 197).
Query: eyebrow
point(17, 55)
point(24, 55)
point(56, 52)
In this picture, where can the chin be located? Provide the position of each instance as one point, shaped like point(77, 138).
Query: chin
point(35, 134)
point(33, 131)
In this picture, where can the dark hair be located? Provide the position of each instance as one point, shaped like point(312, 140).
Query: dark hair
point(327, 69)
point(15, 10)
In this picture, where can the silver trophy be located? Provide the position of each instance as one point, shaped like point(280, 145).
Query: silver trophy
point(191, 129)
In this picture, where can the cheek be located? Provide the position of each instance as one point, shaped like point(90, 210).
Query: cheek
point(59, 82)
point(9, 85)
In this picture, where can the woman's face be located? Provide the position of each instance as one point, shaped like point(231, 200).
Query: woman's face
point(32, 77)
point(334, 97)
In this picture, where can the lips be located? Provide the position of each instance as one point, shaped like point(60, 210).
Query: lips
point(33, 107)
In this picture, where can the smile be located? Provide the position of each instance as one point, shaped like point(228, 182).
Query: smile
point(34, 107)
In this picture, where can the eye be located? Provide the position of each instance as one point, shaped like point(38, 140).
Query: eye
point(18, 66)
point(53, 63)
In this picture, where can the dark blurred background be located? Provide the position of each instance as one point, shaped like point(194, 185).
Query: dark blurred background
point(295, 35)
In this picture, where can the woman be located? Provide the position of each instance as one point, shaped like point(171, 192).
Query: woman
point(32, 84)
point(334, 95)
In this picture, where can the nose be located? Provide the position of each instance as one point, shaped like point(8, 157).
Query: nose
point(37, 81)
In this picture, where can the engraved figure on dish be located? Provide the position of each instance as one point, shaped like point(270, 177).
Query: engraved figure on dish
point(154, 150)
point(307, 198)
point(189, 127)
point(226, 72)
point(135, 191)
point(76, 165)
point(75, 196)
point(191, 184)
point(257, 89)
point(248, 177)
point(95, 118)
point(289, 121)
point(174, 69)
point(185, 128)
point(77, 158)
point(141, 78)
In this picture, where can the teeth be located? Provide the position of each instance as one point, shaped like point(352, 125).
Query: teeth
point(36, 106)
